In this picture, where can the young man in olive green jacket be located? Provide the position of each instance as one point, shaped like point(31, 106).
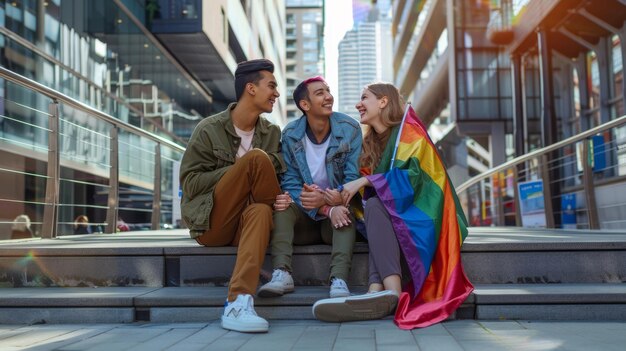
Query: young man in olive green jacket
point(229, 179)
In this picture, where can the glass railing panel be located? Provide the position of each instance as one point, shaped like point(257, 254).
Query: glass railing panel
point(85, 141)
point(577, 183)
point(85, 166)
point(23, 130)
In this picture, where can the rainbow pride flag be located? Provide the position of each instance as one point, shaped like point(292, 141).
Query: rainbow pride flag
point(429, 223)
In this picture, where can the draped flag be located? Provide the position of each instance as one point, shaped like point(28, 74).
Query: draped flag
point(412, 182)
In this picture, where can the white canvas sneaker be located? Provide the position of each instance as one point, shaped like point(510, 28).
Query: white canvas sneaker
point(338, 288)
point(240, 316)
point(280, 284)
point(374, 305)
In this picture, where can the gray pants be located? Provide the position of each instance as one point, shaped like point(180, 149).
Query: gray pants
point(384, 256)
point(294, 227)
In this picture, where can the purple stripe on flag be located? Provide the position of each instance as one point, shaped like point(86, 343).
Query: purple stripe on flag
point(403, 234)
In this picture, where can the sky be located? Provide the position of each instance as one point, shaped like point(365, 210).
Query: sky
point(338, 20)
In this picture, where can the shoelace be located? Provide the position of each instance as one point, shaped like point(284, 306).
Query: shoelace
point(246, 307)
point(278, 274)
point(250, 306)
point(339, 283)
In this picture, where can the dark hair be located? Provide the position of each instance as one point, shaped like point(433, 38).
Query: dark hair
point(250, 72)
point(302, 91)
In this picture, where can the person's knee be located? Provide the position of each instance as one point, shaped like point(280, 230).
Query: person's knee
point(373, 204)
point(258, 212)
point(256, 156)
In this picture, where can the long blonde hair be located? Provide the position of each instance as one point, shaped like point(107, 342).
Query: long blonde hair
point(391, 115)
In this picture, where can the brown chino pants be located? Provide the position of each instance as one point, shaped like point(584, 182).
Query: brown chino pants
point(242, 216)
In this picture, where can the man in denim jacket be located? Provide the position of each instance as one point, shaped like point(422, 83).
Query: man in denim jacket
point(321, 151)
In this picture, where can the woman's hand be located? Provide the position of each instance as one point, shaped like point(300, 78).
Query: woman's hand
point(282, 201)
point(351, 188)
point(339, 216)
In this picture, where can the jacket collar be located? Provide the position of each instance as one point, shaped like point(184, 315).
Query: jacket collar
point(227, 121)
point(299, 129)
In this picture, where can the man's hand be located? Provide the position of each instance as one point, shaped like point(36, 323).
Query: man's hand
point(312, 197)
point(333, 197)
point(282, 202)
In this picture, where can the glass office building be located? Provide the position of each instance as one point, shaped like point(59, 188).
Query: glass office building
point(101, 54)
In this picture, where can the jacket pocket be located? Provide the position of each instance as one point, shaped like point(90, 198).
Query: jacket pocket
point(338, 161)
point(339, 157)
point(222, 158)
point(195, 212)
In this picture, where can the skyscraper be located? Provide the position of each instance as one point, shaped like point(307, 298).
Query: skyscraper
point(364, 55)
point(304, 45)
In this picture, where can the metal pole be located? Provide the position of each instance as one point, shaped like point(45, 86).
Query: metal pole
point(113, 182)
point(589, 188)
point(518, 103)
point(156, 199)
point(547, 192)
point(50, 214)
point(518, 214)
point(549, 133)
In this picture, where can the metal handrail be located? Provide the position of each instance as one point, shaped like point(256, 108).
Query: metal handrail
point(52, 203)
point(539, 152)
point(57, 96)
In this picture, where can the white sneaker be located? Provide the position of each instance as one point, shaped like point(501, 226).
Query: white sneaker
point(280, 284)
point(356, 308)
point(338, 288)
point(240, 316)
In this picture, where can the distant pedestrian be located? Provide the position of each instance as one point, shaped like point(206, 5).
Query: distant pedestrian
point(21, 228)
point(81, 225)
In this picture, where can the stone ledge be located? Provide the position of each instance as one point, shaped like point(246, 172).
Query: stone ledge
point(513, 294)
point(71, 297)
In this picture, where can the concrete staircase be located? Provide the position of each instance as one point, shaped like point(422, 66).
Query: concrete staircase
point(163, 276)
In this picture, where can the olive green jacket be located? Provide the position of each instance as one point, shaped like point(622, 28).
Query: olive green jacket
point(210, 153)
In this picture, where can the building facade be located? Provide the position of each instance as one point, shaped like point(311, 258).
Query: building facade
point(123, 58)
point(304, 46)
point(514, 75)
point(209, 38)
point(364, 55)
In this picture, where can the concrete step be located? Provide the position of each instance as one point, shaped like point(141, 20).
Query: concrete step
point(602, 302)
point(536, 256)
point(204, 304)
point(170, 258)
point(166, 258)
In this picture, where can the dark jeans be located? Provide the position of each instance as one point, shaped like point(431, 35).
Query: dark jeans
point(294, 226)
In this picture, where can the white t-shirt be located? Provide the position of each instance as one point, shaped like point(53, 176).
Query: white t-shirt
point(246, 141)
point(316, 159)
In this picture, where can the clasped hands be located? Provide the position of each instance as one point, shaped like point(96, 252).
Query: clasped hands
point(329, 201)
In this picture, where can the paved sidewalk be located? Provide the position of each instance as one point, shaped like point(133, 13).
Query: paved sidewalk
point(314, 335)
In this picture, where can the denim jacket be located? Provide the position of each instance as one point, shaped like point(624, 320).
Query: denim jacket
point(342, 155)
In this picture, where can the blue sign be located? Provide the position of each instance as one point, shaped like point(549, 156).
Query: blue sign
point(532, 205)
point(568, 211)
point(599, 153)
